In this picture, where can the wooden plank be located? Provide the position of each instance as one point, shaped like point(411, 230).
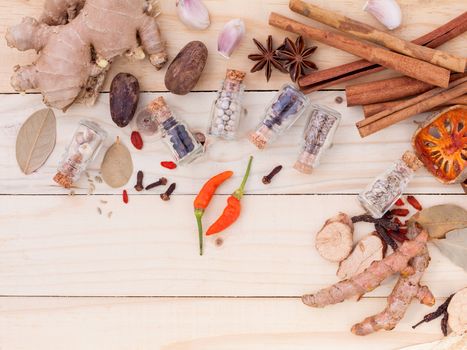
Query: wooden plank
point(419, 17)
point(60, 245)
point(195, 324)
point(346, 168)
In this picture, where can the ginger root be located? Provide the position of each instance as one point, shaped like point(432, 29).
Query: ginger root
point(372, 276)
point(73, 38)
point(406, 288)
point(335, 239)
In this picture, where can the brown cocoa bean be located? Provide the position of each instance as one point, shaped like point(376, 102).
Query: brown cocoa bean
point(186, 68)
point(124, 96)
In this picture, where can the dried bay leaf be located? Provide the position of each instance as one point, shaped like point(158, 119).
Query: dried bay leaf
point(36, 140)
point(454, 247)
point(117, 166)
point(439, 219)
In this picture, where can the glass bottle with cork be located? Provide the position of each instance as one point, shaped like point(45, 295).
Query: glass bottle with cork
point(286, 108)
point(84, 146)
point(175, 134)
point(227, 110)
point(317, 137)
point(381, 194)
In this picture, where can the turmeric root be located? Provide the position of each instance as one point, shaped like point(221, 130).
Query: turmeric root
point(372, 276)
point(76, 41)
point(406, 288)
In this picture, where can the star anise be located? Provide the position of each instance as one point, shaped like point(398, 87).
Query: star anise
point(266, 58)
point(294, 57)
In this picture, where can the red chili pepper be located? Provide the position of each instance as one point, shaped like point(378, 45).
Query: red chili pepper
point(203, 199)
point(125, 196)
point(414, 203)
point(136, 140)
point(399, 202)
point(233, 208)
point(400, 212)
point(169, 165)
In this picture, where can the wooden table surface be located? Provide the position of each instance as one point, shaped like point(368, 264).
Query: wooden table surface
point(73, 279)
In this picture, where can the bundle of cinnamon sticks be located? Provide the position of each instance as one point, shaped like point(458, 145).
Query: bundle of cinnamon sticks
point(427, 71)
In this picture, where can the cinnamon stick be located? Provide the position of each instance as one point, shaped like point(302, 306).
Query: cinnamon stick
point(339, 74)
point(412, 67)
point(372, 109)
point(367, 32)
point(416, 105)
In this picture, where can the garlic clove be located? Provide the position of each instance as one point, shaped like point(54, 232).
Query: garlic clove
point(230, 37)
point(193, 14)
point(387, 12)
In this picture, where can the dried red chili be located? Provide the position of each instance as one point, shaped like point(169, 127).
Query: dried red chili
point(169, 165)
point(399, 202)
point(414, 202)
point(400, 212)
point(136, 140)
point(125, 196)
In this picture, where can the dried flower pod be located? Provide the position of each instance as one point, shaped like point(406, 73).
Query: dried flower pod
point(387, 12)
point(193, 14)
point(230, 37)
point(441, 145)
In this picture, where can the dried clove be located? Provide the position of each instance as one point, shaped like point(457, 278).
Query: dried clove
point(267, 179)
point(166, 195)
point(161, 182)
point(441, 310)
point(139, 181)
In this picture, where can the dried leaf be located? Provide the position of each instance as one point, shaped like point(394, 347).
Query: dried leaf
point(454, 247)
point(440, 219)
point(117, 165)
point(36, 140)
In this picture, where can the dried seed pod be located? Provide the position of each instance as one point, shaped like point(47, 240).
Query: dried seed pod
point(186, 68)
point(335, 239)
point(441, 144)
point(117, 165)
point(124, 96)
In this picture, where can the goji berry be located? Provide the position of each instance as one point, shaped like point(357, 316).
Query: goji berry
point(414, 202)
point(400, 212)
point(125, 196)
point(169, 165)
point(398, 237)
point(137, 140)
point(399, 202)
point(397, 221)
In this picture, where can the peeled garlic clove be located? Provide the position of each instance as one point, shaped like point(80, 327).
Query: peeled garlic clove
point(193, 13)
point(387, 12)
point(230, 37)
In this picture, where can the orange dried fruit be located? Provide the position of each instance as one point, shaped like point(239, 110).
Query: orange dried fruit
point(441, 144)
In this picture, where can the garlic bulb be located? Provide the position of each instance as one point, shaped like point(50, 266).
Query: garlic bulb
point(193, 14)
point(387, 12)
point(230, 37)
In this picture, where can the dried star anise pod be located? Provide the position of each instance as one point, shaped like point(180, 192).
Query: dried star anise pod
point(295, 57)
point(266, 58)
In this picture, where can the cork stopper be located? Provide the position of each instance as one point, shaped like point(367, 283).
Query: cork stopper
point(63, 180)
point(160, 109)
point(261, 137)
point(411, 160)
point(304, 163)
point(235, 75)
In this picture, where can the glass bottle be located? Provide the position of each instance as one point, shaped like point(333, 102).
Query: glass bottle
point(317, 137)
point(175, 134)
point(227, 109)
point(381, 194)
point(84, 146)
point(288, 105)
